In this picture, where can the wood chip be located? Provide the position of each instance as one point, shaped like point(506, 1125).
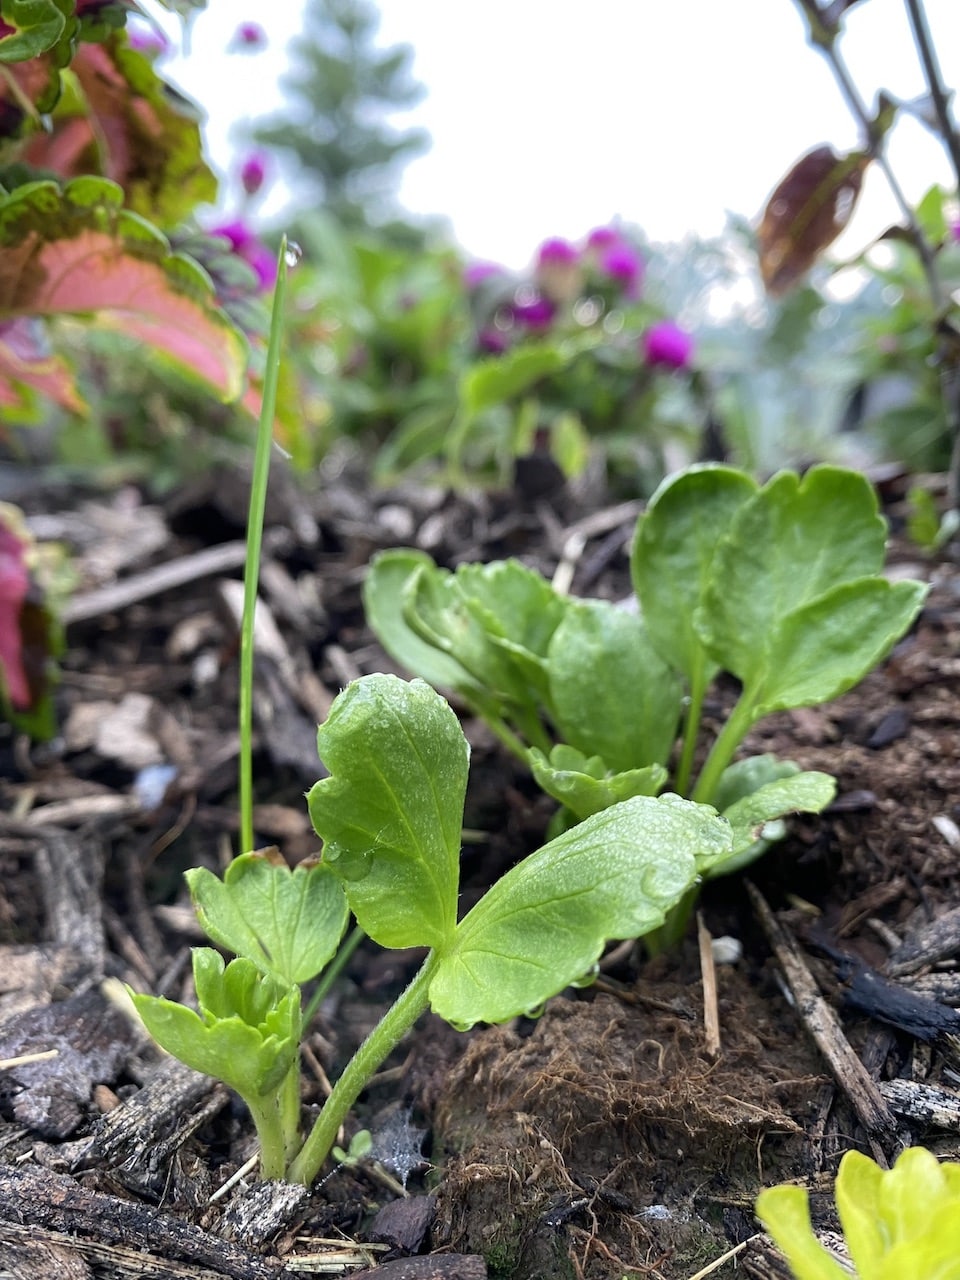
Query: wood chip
point(823, 1026)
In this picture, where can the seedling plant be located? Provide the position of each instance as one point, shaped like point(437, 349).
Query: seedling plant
point(779, 585)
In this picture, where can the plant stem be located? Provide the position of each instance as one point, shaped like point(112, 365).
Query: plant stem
point(934, 77)
point(258, 502)
point(691, 727)
point(388, 1033)
point(721, 753)
point(827, 45)
point(332, 972)
point(267, 1113)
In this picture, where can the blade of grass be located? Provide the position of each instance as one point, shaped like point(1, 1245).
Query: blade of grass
point(251, 573)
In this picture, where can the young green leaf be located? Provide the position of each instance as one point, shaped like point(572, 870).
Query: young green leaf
point(584, 785)
point(807, 792)
point(785, 1214)
point(384, 594)
point(247, 1032)
point(391, 810)
point(612, 695)
point(545, 923)
point(288, 922)
point(672, 556)
point(495, 619)
point(824, 648)
point(789, 544)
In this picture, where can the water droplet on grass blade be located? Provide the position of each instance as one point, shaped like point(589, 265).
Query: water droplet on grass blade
point(292, 254)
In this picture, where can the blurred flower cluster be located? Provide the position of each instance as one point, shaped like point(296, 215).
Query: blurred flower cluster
point(598, 283)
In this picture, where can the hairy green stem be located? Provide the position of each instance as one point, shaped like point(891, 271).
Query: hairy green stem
point(258, 502)
point(385, 1036)
point(268, 1117)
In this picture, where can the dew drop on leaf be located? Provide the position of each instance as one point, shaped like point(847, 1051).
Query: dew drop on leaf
point(292, 254)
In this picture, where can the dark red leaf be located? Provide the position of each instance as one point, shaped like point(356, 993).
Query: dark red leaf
point(806, 213)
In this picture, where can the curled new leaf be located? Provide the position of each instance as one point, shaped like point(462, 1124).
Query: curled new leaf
point(806, 213)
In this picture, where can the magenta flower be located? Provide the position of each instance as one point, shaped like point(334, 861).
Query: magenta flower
point(477, 273)
point(249, 35)
point(603, 238)
point(667, 346)
point(253, 172)
point(536, 314)
point(14, 583)
point(955, 231)
point(253, 251)
point(624, 265)
point(557, 252)
point(493, 341)
point(557, 271)
point(150, 43)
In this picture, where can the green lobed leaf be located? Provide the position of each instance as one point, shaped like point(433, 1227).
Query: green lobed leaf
point(390, 812)
point(672, 556)
point(38, 26)
point(612, 695)
point(584, 785)
point(745, 776)
point(785, 1214)
point(288, 922)
point(790, 543)
point(807, 792)
point(545, 923)
point(824, 648)
point(248, 1037)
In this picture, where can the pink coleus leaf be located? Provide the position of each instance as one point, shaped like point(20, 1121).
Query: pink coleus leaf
point(125, 124)
point(14, 584)
point(75, 251)
point(27, 367)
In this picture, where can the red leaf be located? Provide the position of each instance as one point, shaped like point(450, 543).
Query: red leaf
point(14, 583)
point(806, 213)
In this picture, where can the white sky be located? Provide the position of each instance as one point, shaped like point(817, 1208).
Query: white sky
point(550, 117)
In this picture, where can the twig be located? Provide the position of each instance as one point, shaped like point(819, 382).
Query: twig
point(708, 970)
point(938, 91)
point(823, 1025)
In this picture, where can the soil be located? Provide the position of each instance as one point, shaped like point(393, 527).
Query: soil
point(610, 1137)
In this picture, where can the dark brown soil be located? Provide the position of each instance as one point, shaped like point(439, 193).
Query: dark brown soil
point(600, 1141)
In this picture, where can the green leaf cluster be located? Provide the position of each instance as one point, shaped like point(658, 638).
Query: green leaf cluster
point(897, 1222)
point(390, 815)
point(780, 585)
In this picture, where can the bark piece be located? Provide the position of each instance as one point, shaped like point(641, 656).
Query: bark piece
point(53, 1208)
point(438, 1266)
point(404, 1223)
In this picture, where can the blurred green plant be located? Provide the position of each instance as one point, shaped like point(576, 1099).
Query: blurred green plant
point(908, 358)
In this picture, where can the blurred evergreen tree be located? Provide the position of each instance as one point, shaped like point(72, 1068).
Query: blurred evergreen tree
point(342, 90)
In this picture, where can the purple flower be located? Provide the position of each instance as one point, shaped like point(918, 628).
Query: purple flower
point(557, 252)
point(492, 340)
point(253, 251)
point(955, 231)
point(623, 264)
point(253, 172)
point(667, 346)
point(557, 271)
point(150, 43)
point(602, 238)
point(535, 314)
point(249, 35)
point(476, 273)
